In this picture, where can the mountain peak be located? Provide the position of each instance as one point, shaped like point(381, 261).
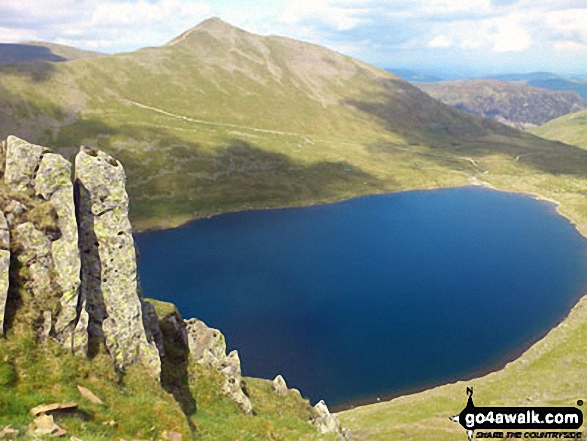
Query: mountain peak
point(213, 25)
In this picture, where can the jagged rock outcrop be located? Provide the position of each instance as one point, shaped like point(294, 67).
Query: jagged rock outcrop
point(53, 183)
point(208, 346)
point(22, 163)
point(36, 256)
point(42, 217)
point(78, 281)
point(279, 386)
point(4, 268)
point(329, 423)
point(34, 168)
point(109, 289)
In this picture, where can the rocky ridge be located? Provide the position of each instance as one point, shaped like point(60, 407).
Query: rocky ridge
point(68, 273)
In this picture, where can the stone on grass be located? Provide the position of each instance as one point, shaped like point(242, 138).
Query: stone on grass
point(89, 395)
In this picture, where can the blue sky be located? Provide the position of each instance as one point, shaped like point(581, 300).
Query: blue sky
point(469, 37)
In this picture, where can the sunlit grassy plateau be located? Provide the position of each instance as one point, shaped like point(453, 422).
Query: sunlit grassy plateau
point(221, 120)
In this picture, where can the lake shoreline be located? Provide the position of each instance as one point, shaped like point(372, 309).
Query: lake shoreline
point(508, 358)
point(513, 356)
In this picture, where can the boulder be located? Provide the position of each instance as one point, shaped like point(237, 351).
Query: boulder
point(89, 395)
point(44, 425)
point(45, 409)
point(208, 347)
point(279, 386)
point(328, 423)
point(233, 386)
point(4, 268)
point(9, 432)
point(171, 435)
point(109, 269)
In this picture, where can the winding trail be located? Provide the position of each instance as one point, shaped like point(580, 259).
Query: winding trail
point(209, 123)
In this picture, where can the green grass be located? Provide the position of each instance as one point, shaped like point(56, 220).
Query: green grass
point(571, 129)
point(136, 406)
point(269, 122)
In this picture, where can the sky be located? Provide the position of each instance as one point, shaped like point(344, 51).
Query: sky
point(446, 37)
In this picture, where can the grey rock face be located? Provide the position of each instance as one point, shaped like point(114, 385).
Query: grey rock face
point(208, 347)
point(4, 268)
point(13, 211)
point(36, 256)
point(32, 167)
point(109, 270)
point(22, 162)
point(329, 423)
point(279, 386)
point(53, 182)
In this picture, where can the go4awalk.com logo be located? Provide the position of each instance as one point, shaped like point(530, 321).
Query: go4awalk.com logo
point(520, 422)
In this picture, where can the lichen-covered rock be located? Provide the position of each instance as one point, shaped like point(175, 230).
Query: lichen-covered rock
point(35, 255)
point(79, 337)
point(22, 163)
point(9, 432)
point(109, 268)
point(279, 386)
point(44, 425)
point(12, 211)
point(233, 386)
point(208, 347)
point(53, 183)
point(4, 268)
point(329, 423)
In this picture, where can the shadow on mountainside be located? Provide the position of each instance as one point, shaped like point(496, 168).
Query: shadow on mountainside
point(19, 53)
point(25, 118)
point(170, 175)
point(36, 71)
point(409, 112)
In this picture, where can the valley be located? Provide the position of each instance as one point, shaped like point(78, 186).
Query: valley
point(221, 120)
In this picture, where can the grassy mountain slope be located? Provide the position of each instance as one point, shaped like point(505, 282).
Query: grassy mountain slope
point(41, 51)
point(220, 119)
point(135, 405)
point(571, 129)
point(514, 104)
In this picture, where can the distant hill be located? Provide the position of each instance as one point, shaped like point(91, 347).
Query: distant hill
point(571, 129)
point(413, 76)
point(525, 77)
point(220, 119)
point(551, 81)
point(41, 51)
point(515, 104)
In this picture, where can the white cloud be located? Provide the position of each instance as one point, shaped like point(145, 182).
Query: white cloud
point(440, 41)
point(570, 46)
point(570, 23)
point(471, 43)
point(454, 6)
point(342, 16)
point(510, 35)
point(102, 24)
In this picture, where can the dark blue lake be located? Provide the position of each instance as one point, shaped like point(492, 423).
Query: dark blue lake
point(375, 295)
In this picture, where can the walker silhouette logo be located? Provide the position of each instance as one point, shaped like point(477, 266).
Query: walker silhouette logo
point(518, 422)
